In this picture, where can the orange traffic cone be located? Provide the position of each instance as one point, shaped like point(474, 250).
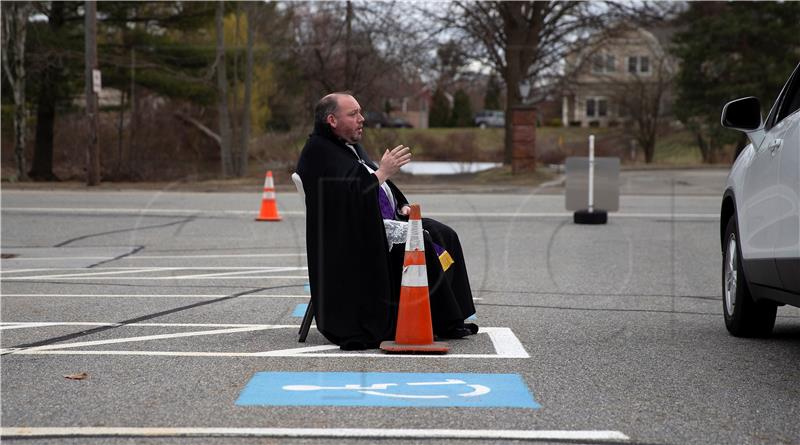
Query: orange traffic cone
point(414, 327)
point(269, 208)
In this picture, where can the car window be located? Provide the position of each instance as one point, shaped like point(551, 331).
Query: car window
point(792, 100)
point(789, 102)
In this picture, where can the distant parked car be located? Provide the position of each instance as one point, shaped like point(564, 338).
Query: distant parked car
point(375, 119)
point(399, 122)
point(761, 213)
point(490, 118)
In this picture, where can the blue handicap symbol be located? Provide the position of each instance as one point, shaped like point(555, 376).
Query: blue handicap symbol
point(389, 389)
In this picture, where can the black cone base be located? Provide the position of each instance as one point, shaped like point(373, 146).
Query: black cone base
point(584, 216)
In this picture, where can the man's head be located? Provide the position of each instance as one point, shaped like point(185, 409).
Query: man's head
point(342, 113)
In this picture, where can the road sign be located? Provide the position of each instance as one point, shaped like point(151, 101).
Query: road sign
point(97, 83)
point(386, 389)
point(606, 183)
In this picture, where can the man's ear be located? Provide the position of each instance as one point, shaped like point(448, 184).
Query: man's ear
point(331, 120)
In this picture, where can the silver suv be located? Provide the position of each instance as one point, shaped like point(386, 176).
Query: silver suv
point(490, 118)
point(760, 217)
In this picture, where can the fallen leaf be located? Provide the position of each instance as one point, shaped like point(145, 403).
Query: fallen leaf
point(78, 376)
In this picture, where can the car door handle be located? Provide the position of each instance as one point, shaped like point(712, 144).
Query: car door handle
point(774, 146)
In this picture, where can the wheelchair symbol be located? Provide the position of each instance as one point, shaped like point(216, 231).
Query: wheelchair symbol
point(375, 388)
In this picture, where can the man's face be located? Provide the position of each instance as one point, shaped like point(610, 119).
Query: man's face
point(347, 122)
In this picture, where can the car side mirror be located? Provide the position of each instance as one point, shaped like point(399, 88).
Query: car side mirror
point(742, 114)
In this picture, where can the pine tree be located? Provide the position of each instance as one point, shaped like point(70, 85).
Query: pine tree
point(440, 110)
point(491, 100)
point(462, 110)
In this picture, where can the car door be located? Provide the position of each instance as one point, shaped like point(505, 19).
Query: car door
point(786, 142)
point(758, 204)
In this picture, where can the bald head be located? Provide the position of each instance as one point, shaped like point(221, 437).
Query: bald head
point(327, 105)
point(342, 113)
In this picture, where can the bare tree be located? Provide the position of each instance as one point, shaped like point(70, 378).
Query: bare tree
point(358, 46)
point(644, 99)
point(252, 14)
point(638, 88)
point(522, 40)
point(14, 28)
point(529, 40)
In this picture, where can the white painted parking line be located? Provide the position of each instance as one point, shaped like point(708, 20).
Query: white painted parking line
point(262, 277)
point(336, 433)
point(144, 211)
point(505, 343)
point(147, 338)
point(103, 273)
point(88, 274)
point(175, 212)
point(241, 272)
point(177, 325)
point(202, 296)
point(159, 268)
point(162, 257)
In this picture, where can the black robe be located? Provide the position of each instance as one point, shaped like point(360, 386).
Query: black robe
point(354, 278)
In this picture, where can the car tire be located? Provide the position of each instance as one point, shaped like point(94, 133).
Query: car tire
point(744, 316)
point(482, 125)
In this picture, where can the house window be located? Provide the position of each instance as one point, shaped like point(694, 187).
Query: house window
point(633, 64)
point(639, 65)
point(644, 64)
point(604, 63)
point(596, 107)
point(597, 63)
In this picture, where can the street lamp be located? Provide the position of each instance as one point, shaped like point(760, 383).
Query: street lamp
point(524, 90)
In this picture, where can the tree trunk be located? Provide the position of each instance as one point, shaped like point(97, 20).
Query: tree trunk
point(236, 111)
point(244, 139)
point(705, 149)
point(222, 97)
point(121, 139)
point(131, 162)
point(92, 105)
point(15, 22)
point(42, 168)
point(348, 84)
point(52, 78)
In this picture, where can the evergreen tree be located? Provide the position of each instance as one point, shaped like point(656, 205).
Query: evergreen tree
point(731, 50)
point(440, 110)
point(492, 99)
point(462, 109)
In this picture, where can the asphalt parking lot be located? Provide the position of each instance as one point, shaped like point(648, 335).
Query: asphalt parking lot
point(175, 317)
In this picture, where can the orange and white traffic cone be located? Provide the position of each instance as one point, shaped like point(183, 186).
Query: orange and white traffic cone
point(269, 208)
point(414, 326)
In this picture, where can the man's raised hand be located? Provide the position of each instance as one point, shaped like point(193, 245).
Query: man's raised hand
point(391, 162)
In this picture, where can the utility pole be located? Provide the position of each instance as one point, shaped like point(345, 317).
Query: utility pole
point(92, 91)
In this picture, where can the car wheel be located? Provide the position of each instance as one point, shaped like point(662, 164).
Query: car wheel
point(482, 125)
point(744, 316)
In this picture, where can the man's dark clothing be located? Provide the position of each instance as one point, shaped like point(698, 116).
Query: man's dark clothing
point(354, 278)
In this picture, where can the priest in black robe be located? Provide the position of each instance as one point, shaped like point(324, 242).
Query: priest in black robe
point(354, 271)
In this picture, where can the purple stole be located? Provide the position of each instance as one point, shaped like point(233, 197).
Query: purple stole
point(387, 212)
